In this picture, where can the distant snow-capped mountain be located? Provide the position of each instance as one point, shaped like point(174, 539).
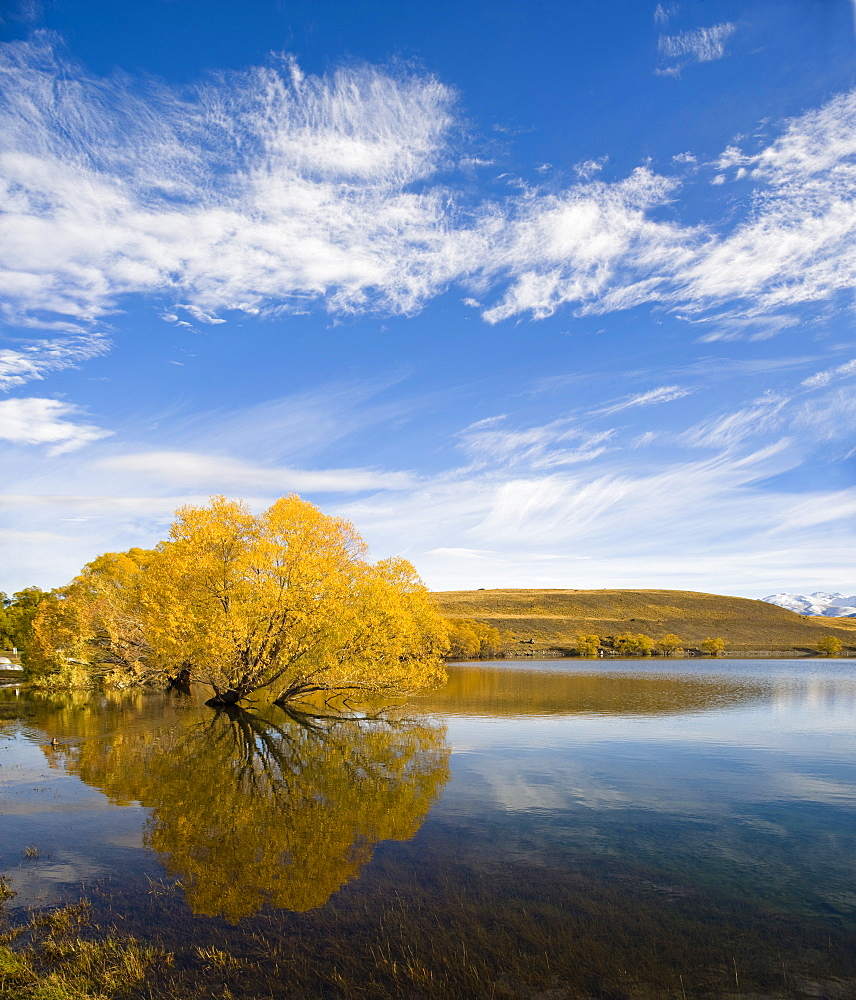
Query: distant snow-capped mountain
point(818, 603)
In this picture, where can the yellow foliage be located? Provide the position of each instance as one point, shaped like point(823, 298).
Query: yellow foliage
point(669, 644)
point(713, 646)
point(630, 644)
point(830, 645)
point(470, 639)
point(285, 600)
point(587, 645)
point(90, 630)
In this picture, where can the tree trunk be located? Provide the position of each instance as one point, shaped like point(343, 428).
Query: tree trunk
point(229, 697)
point(181, 681)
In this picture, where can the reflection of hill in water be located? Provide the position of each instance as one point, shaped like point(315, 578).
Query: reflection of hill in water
point(480, 689)
point(249, 812)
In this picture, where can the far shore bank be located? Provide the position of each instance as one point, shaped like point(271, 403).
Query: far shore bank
point(548, 622)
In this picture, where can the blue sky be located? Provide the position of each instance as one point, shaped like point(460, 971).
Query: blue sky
point(538, 295)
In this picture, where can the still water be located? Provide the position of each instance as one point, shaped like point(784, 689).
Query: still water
point(554, 829)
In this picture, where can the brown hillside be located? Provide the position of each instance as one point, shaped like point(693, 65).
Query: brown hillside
point(554, 617)
point(849, 624)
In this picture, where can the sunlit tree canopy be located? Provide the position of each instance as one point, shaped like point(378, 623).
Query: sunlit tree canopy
point(284, 601)
point(471, 639)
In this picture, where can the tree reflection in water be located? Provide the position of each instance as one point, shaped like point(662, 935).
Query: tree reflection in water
point(250, 811)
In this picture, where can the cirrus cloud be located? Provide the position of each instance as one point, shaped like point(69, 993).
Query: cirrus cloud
point(251, 190)
point(35, 361)
point(268, 191)
point(701, 44)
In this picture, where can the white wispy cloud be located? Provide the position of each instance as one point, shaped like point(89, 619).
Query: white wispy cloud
point(495, 529)
point(731, 429)
point(673, 71)
point(560, 442)
point(818, 144)
point(832, 417)
point(586, 245)
point(719, 367)
point(200, 315)
point(36, 421)
point(202, 471)
point(268, 190)
point(23, 11)
point(550, 504)
point(240, 194)
point(459, 553)
point(119, 493)
point(35, 361)
point(820, 510)
point(823, 378)
point(662, 394)
point(828, 417)
point(511, 516)
point(726, 327)
point(701, 44)
point(799, 244)
point(589, 168)
point(599, 248)
point(288, 429)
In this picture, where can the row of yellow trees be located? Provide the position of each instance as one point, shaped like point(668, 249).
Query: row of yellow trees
point(284, 601)
point(638, 644)
point(470, 639)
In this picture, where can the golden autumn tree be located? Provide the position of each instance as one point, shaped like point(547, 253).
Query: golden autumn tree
point(471, 639)
point(670, 644)
point(287, 602)
point(587, 645)
point(91, 630)
point(284, 601)
point(634, 644)
point(830, 645)
point(16, 616)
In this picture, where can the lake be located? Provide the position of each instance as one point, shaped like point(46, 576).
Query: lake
point(541, 829)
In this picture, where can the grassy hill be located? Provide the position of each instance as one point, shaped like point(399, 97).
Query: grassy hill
point(554, 617)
